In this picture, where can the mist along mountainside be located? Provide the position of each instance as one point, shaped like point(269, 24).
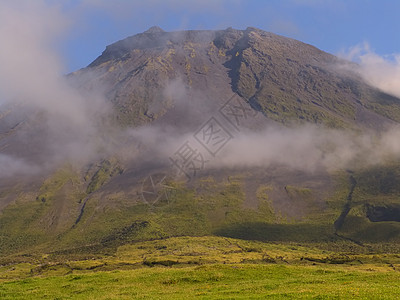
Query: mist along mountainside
point(162, 86)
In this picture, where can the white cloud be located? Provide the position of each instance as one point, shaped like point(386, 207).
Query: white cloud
point(31, 73)
point(380, 71)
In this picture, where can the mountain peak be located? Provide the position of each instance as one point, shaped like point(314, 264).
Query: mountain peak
point(154, 29)
point(286, 79)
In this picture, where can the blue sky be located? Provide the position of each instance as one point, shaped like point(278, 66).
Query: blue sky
point(331, 25)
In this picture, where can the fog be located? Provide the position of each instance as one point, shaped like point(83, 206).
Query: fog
point(31, 77)
point(306, 147)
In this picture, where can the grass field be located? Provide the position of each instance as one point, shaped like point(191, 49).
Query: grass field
point(232, 281)
point(205, 268)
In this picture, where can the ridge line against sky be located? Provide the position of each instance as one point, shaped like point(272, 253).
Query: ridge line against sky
point(334, 26)
point(331, 25)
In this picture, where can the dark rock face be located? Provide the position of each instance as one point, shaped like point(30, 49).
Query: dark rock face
point(383, 213)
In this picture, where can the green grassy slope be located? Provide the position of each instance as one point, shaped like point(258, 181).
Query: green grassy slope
point(70, 213)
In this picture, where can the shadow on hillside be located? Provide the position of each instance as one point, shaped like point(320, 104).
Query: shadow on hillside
point(278, 232)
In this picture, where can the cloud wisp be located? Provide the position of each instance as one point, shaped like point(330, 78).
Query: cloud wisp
point(31, 77)
point(382, 72)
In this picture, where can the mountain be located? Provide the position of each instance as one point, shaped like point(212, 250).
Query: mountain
point(285, 79)
point(168, 91)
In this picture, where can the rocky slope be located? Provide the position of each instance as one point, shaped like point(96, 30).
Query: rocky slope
point(283, 78)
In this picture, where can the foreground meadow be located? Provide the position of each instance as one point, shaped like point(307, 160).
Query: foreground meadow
point(204, 268)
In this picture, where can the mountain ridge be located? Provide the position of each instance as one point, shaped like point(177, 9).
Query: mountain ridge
point(259, 65)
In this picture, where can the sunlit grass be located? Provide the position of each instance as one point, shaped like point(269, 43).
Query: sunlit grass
point(207, 267)
point(210, 281)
